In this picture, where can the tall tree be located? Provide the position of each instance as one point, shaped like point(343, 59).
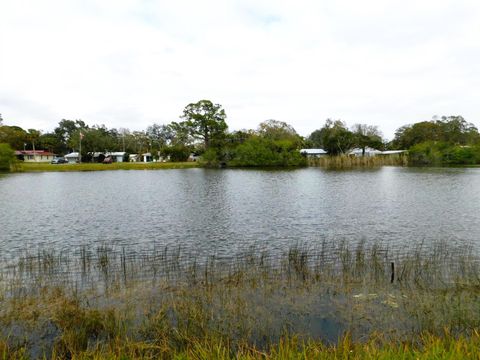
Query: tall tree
point(279, 130)
point(65, 131)
point(7, 157)
point(33, 136)
point(205, 121)
point(367, 136)
point(15, 136)
point(334, 137)
point(449, 129)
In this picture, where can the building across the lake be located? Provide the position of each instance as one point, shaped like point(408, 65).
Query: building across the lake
point(313, 152)
point(367, 152)
point(147, 157)
point(73, 157)
point(34, 155)
point(117, 156)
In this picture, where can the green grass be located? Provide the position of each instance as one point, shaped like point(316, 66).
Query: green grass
point(332, 301)
point(33, 167)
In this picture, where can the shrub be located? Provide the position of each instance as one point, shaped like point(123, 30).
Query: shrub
point(258, 151)
point(443, 153)
point(7, 157)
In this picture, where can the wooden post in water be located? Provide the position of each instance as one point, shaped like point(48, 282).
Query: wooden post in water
point(392, 278)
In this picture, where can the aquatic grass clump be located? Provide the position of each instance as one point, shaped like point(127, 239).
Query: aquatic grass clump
point(348, 161)
point(164, 301)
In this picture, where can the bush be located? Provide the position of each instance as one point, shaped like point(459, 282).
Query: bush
point(7, 157)
point(211, 158)
point(258, 152)
point(443, 153)
point(176, 152)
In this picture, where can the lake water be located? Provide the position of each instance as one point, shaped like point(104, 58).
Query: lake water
point(227, 211)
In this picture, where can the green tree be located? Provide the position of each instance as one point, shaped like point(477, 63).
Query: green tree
point(65, 132)
point(334, 137)
point(159, 136)
point(50, 142)
point(15, 136)
point(176, 152)
point(454, 130)
point(205, 121)
point(279, 130)
point(7, 157)
point(32, 137)
point(367, 136)
point(95, 139)
point(258, 151)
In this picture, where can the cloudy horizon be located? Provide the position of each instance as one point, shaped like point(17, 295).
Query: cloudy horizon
point(132, 63)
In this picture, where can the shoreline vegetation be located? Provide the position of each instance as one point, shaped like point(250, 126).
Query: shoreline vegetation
point(333, 301)
point(342, 162)
point(203, 134)
point(46, 167)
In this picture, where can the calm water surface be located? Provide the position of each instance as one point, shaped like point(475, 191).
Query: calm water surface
point(226, 211)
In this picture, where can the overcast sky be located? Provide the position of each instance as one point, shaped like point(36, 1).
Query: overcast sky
point(131, 63)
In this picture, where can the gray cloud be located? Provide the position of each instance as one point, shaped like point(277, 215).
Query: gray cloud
point(127, 63)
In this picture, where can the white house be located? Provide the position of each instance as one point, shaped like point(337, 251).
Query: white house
point(73, 157)
point(147, 157)
point(313, 152)
point(368, 152)
point(116, 156)
point(133, 157)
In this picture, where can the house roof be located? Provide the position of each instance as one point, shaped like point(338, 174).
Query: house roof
point(72, 155)
point(368, 150)
point(390, 152)
point(36, 152)
point(313, 151)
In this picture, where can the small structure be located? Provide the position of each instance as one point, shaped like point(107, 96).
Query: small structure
point(313, 152)
point(393, 152)
point(97, 157)
point(147, 157)
point(73, 157)
point(34, 155)
point(133, 157)
point(368, 152)
point(116, 156)
point(193, 157)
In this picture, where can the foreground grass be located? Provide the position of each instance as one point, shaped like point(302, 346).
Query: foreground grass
point(329, 302)
point(426, 347)
point(33, 167)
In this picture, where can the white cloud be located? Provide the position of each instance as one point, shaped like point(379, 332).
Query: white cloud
point(130, 63)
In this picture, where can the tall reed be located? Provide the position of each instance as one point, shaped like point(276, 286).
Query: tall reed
point(347, 161)
point(165, 301)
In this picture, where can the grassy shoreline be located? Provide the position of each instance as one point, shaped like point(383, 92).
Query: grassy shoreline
point(329, 302)
point(46, 167)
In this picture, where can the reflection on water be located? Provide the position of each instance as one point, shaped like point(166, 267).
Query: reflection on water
point(226, 211)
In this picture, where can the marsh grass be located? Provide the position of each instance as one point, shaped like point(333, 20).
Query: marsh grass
point(332, 300)
point(46, 167)
point(348, 162)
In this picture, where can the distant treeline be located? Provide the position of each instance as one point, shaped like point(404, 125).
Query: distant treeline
point(203, 131)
